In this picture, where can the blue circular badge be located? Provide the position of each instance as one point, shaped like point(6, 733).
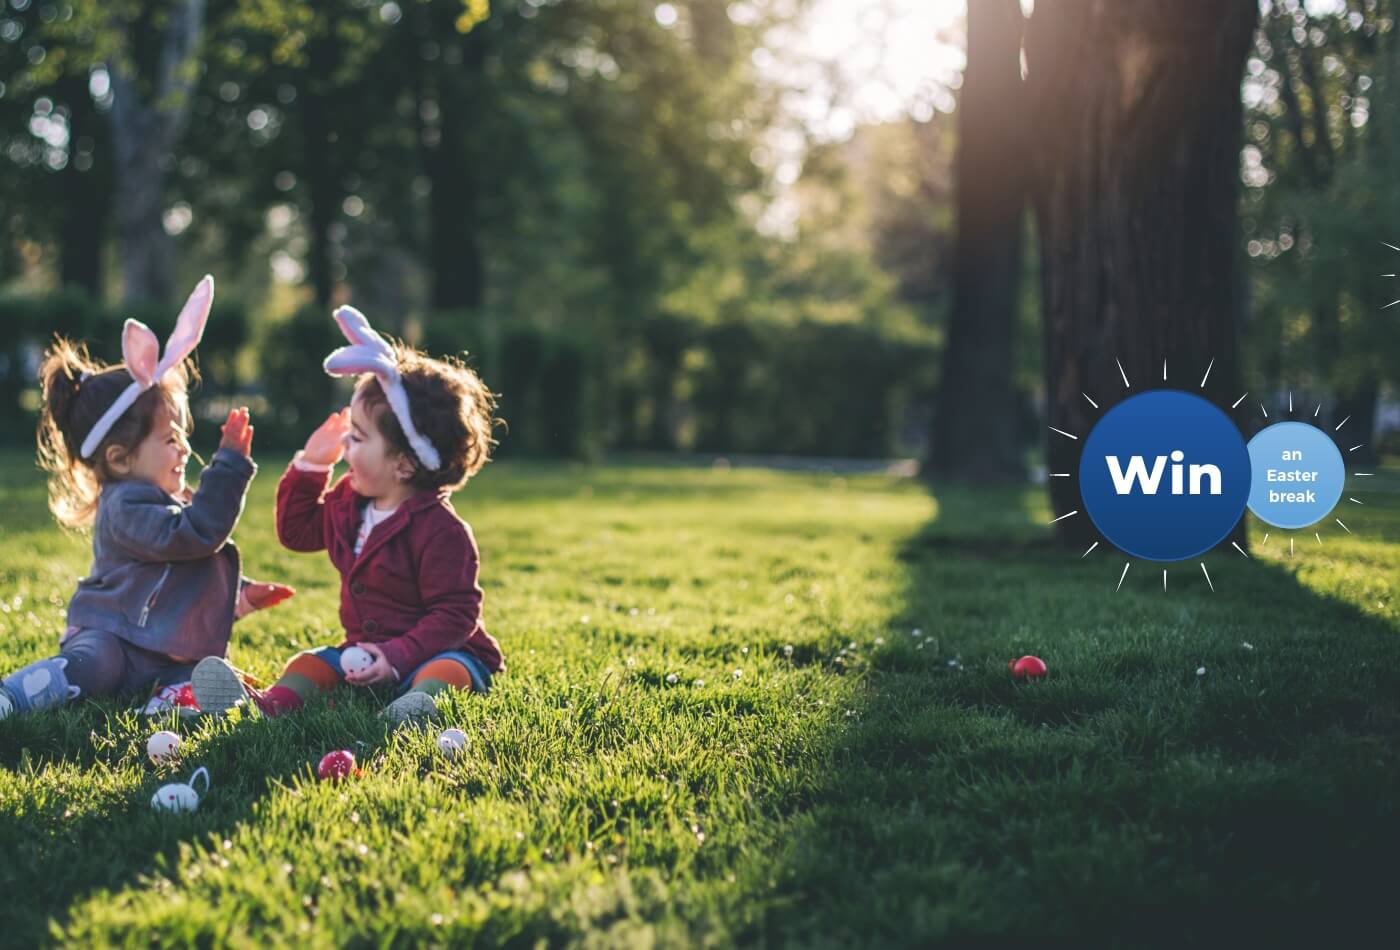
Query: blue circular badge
point(1165, 475)
point(1298, 475)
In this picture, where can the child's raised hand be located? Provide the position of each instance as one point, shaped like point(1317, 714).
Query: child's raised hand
point(379, 672)
point(238, 432)
point(326, 445)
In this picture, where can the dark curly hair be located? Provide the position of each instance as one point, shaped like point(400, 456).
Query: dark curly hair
point(77, 390)
point(452, 409)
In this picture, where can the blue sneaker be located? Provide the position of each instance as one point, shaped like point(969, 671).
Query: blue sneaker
point(40, 685)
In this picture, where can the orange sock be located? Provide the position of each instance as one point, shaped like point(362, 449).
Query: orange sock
point(441, 674)
point(305, 674)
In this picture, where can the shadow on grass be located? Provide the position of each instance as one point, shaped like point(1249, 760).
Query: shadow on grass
point(1198, 767)
point(87, 827)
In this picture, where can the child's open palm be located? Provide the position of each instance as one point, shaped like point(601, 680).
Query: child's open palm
point(237, 432)
point(327, 444)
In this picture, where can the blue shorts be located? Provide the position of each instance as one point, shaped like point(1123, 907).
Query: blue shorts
point(481, 676)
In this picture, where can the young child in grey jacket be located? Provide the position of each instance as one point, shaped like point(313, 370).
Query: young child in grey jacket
point(166, 584)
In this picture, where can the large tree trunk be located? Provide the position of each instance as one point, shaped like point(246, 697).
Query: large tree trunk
point(975, 434)
point(1136, 124)
point(144, 133)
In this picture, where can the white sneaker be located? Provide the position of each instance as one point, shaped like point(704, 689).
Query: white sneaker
point(413, 706)
point(217, 685)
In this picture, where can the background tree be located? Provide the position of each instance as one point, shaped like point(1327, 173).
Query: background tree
point(975, 432)
point(1320, 127)
point(153, 68)
point(1136, 116)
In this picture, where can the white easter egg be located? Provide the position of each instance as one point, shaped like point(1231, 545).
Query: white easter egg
point(452, 741)
point(355, 660)
point(162, 746)
point(177, 796)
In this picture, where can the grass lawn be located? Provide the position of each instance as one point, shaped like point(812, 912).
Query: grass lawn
point(755, 707)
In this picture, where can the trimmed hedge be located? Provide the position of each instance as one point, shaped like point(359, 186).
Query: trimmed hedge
point(826, 389)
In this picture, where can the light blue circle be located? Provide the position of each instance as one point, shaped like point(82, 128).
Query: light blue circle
point(1142, 477)
point(1312, 484)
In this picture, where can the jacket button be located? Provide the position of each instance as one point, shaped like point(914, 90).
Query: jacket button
point(371, 626)
point(357, 588)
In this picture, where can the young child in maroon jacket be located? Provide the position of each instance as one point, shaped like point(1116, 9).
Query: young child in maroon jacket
point(415, 431)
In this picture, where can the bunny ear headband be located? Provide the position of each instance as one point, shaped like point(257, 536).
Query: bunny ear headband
point(141, 351)
point(368, 353)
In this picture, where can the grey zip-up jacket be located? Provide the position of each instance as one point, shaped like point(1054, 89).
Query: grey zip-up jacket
point(165, 574)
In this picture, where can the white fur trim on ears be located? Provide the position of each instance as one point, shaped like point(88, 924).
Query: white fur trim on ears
point(369, 353)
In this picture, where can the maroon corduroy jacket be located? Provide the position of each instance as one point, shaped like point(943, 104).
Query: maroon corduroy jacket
point(413, 590)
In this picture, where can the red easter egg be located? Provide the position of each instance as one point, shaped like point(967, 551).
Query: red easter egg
point(1028, 667)
point(336, 765)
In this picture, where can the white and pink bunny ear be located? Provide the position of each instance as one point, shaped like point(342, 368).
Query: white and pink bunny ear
point(189, 328)
point(355, 326)
point(141, 352)
point(368, 352)
point(357, 359)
